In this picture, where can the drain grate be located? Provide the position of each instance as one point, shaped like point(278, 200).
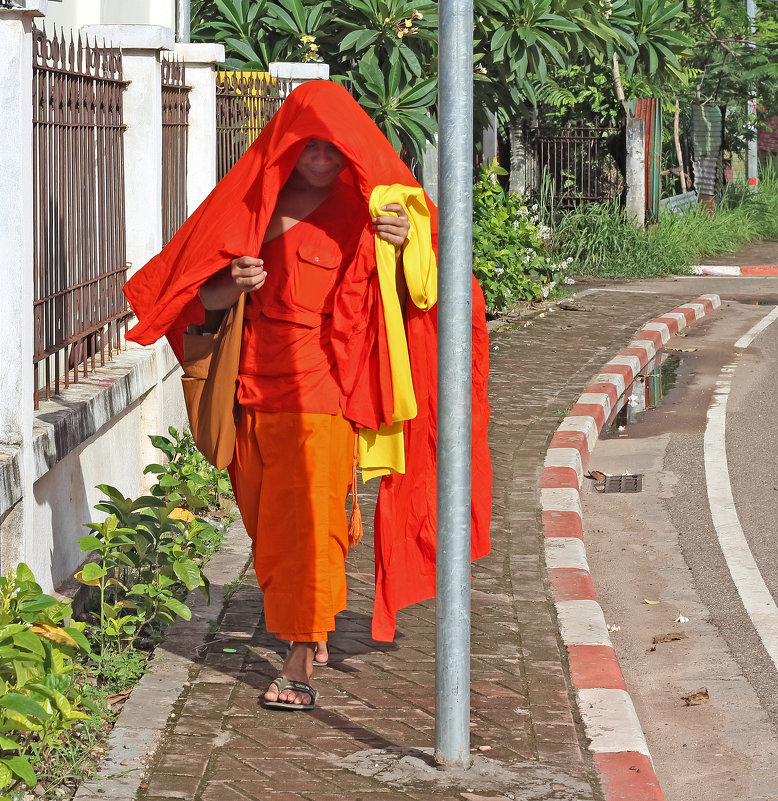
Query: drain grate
point(627, 483)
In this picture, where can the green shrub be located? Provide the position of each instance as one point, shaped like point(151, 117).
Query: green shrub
point(600, 240)
point(511, 248)
point(188, 474)
point(39, 696)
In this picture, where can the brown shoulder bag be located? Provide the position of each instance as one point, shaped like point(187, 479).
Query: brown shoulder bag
point(211, 363)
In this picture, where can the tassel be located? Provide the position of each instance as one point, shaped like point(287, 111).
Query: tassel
point(355, 530)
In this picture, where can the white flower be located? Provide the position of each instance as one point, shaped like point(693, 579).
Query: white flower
point(534, 207)
point(569, 260)
point(515, 225)
point(499, 270)
point(569, 280)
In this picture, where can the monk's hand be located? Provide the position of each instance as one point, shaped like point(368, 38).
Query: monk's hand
point(392, 227)
point(247, 273)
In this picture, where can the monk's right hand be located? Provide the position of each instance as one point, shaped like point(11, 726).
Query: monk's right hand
point(247, 273)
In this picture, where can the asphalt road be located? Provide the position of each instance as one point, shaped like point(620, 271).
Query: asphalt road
point(656, 555)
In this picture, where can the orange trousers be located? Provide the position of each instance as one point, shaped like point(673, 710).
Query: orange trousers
point(292, 474)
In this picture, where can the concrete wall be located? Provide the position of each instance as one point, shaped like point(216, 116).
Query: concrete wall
point(96, 431)
point(73, 14)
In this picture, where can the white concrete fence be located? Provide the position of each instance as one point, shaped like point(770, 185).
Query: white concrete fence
point(96, 431)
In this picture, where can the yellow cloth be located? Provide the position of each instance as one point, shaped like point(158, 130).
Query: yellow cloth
point(382, 452)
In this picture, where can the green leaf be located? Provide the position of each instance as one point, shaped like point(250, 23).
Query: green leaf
point(23, 705)
point(92, 571)
point(7, 744)
point(21, 768)
point(30, 642)
point(89, 543)
point(188, 572)
point(182, 610)
point(38, 604)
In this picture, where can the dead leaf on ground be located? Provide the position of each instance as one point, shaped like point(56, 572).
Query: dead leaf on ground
point(118, 698)
point(647, 601)
point(596, 475)
point(567, 305)
point(670, 637)
point(683, 350)
point(696, 698)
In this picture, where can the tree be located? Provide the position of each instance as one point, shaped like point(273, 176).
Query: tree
point(386, 50)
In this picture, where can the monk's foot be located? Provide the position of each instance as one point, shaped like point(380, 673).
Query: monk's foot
point(322, 655)
point(298, 667)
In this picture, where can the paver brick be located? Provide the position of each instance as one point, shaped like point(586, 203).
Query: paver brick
point(381, 696)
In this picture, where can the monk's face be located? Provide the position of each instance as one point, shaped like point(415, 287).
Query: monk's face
point(320, 163)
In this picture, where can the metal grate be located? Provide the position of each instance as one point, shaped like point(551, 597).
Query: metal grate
point(175, 135)
point(245, 102)
point(78, 185)
point(628, 483)
point(582, 161)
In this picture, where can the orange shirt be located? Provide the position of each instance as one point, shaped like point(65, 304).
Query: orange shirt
point(287, 363)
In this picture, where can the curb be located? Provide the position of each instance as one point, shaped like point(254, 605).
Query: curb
point(617, 744)
point(725, 269)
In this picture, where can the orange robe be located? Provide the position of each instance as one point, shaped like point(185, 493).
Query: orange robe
point(232, 221)
point(294, 449)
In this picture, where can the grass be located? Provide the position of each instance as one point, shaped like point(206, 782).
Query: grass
point(604, 243)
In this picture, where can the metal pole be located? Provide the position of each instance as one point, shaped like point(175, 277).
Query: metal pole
point(752, 160)
point(183, 20)
point(455, 76)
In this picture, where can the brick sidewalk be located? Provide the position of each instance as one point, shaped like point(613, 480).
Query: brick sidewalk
point(373, 731)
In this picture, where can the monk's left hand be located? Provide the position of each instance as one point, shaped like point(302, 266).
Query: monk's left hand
point(391, 228)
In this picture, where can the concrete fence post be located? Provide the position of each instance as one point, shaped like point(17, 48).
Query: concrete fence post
point(200, 60)
point(636, 170)
point(299, 72)
point(16, 270)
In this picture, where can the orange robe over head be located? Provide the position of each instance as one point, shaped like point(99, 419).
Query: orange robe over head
point(232, 221)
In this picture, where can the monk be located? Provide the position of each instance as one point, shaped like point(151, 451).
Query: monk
point(334, 243)
point(290, 420)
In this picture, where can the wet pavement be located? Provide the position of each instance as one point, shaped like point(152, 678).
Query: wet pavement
point(765, 252)
point(373, 732)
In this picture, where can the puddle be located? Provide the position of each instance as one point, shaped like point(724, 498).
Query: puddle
point(646, 392)
point(759, 302)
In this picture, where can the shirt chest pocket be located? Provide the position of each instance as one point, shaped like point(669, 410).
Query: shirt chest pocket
point(314, 277)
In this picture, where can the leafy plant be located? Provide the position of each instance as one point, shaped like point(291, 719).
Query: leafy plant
point(145, 553)
point(602, 241)
point(401, 111)
point(510, 245)
point(38, 697)
point(188, 474)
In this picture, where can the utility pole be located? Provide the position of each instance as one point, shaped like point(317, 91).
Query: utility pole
point(183, 20)
point(752, 161)
point(455, 307)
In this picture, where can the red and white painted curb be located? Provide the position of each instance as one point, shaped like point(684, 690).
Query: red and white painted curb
point(618, 745)
point(725, 269)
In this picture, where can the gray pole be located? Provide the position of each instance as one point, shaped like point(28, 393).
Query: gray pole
point(183, 20)
point(455, 76)
point(752, 160)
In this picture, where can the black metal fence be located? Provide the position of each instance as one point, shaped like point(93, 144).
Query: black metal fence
point(579, 164)
point(175, 130)
point(79, 237)
point(245, 102)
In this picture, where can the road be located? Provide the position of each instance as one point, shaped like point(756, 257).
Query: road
point(700, 542)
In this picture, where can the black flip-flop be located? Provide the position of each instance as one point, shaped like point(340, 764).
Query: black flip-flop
point(283, 684)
